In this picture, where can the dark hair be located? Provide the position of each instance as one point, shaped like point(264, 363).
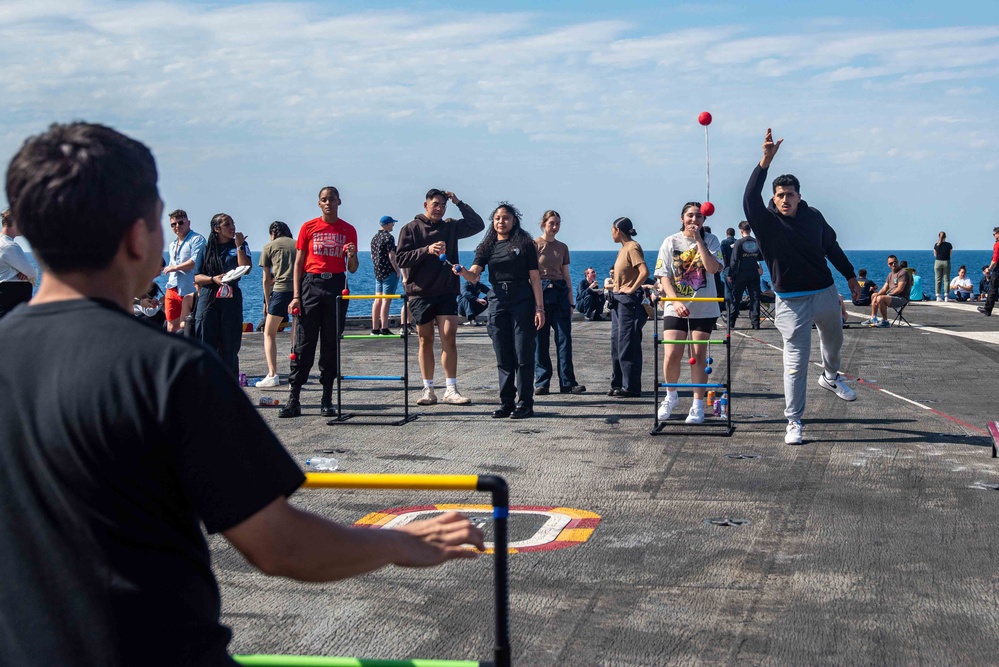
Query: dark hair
point(518, 237)
point(893, 257)
point(995, 230)
point(942, 235)
point(550, 213)
point(212, 264)
point(862, 273)
point(730, 232)
point(178, 213)
point(5, 218)
point(434, 192)
point(625, 226)
point(279, 230)
point(787, 180)
point(77, 189)
point(329, 187)
point(962, 267)
point(903, 264)
point(744, 226)
point(697, 205)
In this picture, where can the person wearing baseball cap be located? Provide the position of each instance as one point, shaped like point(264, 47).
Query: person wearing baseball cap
point(386, 274)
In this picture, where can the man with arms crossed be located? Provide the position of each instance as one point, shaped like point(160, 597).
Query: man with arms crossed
point(180, 284)
point(796, 241)
point(433, 288)
point(107, 472)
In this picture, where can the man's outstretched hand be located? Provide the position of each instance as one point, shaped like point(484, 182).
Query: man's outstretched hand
point(438, 540)
point(769, 149)
point(854, 288)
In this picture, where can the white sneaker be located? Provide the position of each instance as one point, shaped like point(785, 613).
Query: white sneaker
point(452, 397)
point(871, 321)
point(939, 299)
point(696, 415)
point(838, 387)
point(269, 381)
point(428, 398)
point(793, 434)
point(666, 408)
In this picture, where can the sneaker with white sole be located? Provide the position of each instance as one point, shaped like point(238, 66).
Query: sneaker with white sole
point(838, 387)
point(269, 381)
point(666, 408)
point(883, 324)
point(696, 415)
point(428, 398)
point(792, 436)
point(452, 397)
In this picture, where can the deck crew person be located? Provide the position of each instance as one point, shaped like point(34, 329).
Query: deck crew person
point(628, 314)
point(17, 274)
point(685, 267)
point(516, 309)
point(179, 298)
point(796, 242)
point(326, 250)
point(744, 274)
point(433, 288)
point(277, 264)
point(120, 465)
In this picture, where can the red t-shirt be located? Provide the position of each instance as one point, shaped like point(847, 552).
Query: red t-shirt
point(995, 253)
point(323, 245)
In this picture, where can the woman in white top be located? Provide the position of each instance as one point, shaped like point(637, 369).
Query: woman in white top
point(17, 274)
point(685, 266)
point(961, 285)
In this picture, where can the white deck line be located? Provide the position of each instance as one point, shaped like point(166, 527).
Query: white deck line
point(991, 337)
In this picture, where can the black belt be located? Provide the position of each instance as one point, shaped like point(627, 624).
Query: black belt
point(325, 276)
point(508, 285)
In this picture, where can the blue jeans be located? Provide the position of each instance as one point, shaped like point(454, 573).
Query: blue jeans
point(558, 316)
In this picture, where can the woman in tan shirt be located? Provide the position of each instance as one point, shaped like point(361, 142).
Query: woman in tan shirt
point(628, 314)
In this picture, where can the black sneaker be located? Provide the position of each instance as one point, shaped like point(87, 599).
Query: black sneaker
point(376, 332)
point(503, 412)
point(984, 312)
point(386, 332)
point(540, 391)
point(574, 389)
point(522, 412)
point(290, 409)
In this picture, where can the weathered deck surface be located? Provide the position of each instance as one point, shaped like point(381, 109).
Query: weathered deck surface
point(873, 543)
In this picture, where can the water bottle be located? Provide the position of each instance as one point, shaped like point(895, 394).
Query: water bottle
point(242, 379)
point(268, 401)
point(724, 406)
point(320, 464)
point(716, 406)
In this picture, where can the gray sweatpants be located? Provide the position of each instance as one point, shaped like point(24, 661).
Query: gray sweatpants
point(794, 320)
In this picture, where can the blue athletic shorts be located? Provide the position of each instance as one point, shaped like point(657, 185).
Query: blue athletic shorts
point(277, 303)
point(388, 285)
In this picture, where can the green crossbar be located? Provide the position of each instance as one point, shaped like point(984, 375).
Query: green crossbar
point(695, 342)
point(357, 336)
point(321, 661)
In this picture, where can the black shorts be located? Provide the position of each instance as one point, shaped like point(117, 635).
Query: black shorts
point(277, 303)
point(689, 324)
point(427, 308)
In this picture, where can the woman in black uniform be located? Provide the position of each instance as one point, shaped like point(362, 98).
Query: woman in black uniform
point(516, 309)
point(218, 319)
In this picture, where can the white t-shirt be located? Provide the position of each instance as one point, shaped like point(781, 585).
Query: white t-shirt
point(962, 285)
point(681, 263)
point(13, 261)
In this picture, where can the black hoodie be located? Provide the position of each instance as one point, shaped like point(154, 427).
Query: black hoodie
point(428, 275)
point(795, 249)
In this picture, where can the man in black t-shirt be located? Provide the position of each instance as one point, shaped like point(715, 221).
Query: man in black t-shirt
point(744, 275)
point(120, 440)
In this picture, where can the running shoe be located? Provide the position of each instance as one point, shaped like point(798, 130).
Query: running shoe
point(269, 381)
point(428, 398)
point(883, 324)
point(666, 408)
point(696, 415)
point(792, 436)
point(452, 397)
point(838, 387)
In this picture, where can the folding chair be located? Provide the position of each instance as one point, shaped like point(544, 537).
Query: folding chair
point(767, 304)
point(899, 317)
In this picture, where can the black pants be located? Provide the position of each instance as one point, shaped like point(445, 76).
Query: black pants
point(628, 316)
point(13, 294)
point(558, 317)
point(590, 303)
point(990, 300)
point(746, 282)
point(511, 326)
point(317, 323)
point(218, 323)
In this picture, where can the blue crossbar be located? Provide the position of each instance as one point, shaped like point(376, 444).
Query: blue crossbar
point(688, 384)
point(372, 377)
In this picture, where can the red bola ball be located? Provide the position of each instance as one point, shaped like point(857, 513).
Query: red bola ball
point(704, 118)
point(707, 208)
point(346, 292)
point(693, 361)
point(293, 356)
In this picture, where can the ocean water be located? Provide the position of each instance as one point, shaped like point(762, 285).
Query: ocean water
point(363, 281)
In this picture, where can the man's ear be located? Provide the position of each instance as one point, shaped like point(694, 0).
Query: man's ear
point(135, 242)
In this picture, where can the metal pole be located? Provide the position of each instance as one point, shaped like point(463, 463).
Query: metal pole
point(501, 510)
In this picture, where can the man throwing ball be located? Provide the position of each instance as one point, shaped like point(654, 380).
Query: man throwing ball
point(796, 241)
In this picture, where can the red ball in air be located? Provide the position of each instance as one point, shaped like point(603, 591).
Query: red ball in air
point(693, 361)
point(707, 209)
point(346, 292)
point(704, 118)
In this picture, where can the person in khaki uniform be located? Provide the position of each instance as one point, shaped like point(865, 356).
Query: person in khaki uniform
point(628, 314)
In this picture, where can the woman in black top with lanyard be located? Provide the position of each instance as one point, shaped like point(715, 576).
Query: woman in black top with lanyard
point(516, 309)
point(219, 316)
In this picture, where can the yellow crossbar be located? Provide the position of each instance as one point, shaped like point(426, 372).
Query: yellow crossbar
point(347, 480)
point(371, 296)
point(696, 298)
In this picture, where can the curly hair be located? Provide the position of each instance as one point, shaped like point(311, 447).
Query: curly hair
point(518, 237)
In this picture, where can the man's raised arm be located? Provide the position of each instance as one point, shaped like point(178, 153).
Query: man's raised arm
point(753, 203)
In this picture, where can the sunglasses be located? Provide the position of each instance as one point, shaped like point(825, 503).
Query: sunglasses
point(179, 223)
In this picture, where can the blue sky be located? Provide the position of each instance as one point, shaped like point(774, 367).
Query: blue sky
point(590, 108)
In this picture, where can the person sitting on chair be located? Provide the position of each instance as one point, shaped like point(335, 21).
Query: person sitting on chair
point(894, 293)
point(867, 289)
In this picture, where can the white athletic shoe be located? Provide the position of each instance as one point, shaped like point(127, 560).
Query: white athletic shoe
point(269, 381)
point(793, 434)
point(428, 398)
point(452, 397)
point(696, 415)
point(939, 298)
point(838, 387)
point(666, 408)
